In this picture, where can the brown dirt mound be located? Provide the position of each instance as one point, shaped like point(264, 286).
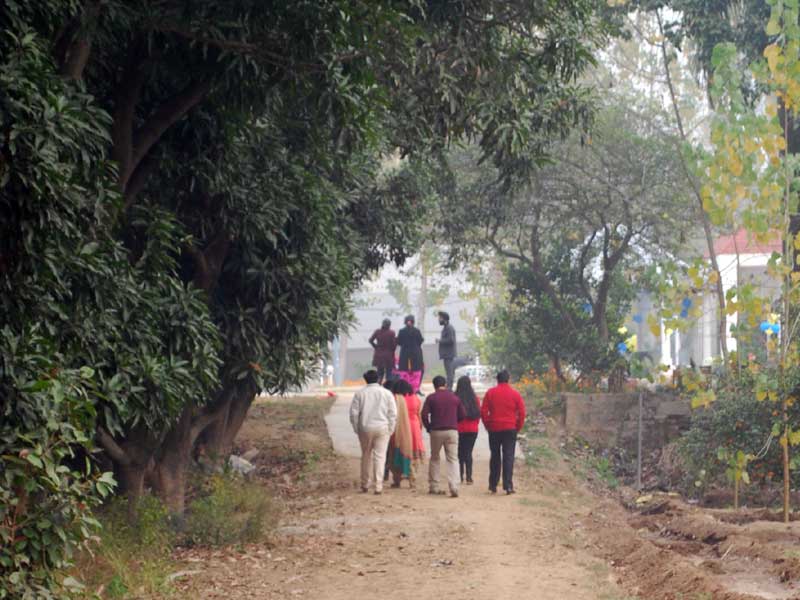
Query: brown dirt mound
point(683, 551)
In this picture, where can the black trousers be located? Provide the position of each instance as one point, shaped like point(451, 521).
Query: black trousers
point(450, 372)
point(503, 445)
point(466, 442)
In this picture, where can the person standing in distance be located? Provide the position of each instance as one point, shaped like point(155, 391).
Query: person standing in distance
point(440, 415)
point(383, 342)
point(447, 348)
point(503, 415)
point(411, 364)
point(373, 415)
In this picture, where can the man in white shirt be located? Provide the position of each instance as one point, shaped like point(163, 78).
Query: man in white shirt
point(373, 415)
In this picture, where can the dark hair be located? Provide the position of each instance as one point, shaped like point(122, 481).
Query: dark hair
point(439, 381)
point(409, 318)
point(469, 400)
point(385, 324)
point(371, 376)
point(444, 315)
point(503, 376)
point(390, 384)
point(401, 386)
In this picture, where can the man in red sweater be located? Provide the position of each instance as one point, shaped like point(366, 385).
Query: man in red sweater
point(503, 415)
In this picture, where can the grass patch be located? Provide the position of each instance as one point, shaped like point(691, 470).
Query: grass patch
point(604, 469)
point(130, 560)
point(229, 511)
point(134, 560)
point(538, 456)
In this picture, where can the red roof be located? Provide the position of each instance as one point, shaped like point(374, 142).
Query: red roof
point(743, 242)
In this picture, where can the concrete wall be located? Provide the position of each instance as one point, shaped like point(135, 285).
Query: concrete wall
point(611, 420)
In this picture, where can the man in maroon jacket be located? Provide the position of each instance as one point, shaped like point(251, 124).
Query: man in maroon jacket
point(440, 415)
point(503, 414)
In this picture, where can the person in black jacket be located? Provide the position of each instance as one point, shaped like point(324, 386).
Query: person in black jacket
point(411, 365)
point(447, 348)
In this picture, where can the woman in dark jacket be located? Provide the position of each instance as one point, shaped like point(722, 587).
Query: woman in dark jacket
point(384, 342)
point(411, 365)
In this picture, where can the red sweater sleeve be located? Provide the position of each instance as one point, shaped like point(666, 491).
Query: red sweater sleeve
point(485, 409)
point(426, 415)
point(520, 412)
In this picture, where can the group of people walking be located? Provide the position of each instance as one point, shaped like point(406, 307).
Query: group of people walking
point(389, 418)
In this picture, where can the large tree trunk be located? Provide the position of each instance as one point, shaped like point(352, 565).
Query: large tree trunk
point(217, 439)
point(172, 462)
point(131, 457)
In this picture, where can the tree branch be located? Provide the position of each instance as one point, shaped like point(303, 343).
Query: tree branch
point(77, 51)
point(138, 180)
point(125, 100)
point(582, 268)
point(164, 117)
point(712, 254)
point(114, 450)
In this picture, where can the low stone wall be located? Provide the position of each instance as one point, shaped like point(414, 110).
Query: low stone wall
point(612, 420)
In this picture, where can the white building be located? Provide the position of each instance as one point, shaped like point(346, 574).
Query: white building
point(741, 260)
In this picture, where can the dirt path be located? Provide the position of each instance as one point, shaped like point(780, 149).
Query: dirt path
point(343, 545)
point(408, 544)
point(563, 536)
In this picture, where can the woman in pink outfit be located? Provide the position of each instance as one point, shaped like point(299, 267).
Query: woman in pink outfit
point(414, 406)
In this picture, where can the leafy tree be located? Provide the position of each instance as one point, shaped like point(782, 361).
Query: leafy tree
point(84, 332)
point(603, 206)
point(526, 332)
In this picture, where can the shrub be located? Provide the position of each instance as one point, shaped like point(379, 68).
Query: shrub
point(230, 511)
point(736, 421)
point(47, 485)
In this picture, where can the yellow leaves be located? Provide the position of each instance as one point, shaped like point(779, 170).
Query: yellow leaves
point(735, 165)
point(771, 109)
point(713, 277)
point(794, 438)
point(750, 145)
point(761, 395)
point(632, 343)
point(774, 57)
point(703, 399)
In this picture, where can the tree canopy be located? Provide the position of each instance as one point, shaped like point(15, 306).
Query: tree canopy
point(603, 208)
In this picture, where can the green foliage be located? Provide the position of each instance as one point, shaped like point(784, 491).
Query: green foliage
point(230, 511)
point(699, 26)
point(130, 558)
point(736, 422)
point(47, 487)
point(86, 336)
point(578, 241)
point(604, 469)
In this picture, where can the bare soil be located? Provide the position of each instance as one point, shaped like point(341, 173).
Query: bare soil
point(558, 538)
point(682, 551)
